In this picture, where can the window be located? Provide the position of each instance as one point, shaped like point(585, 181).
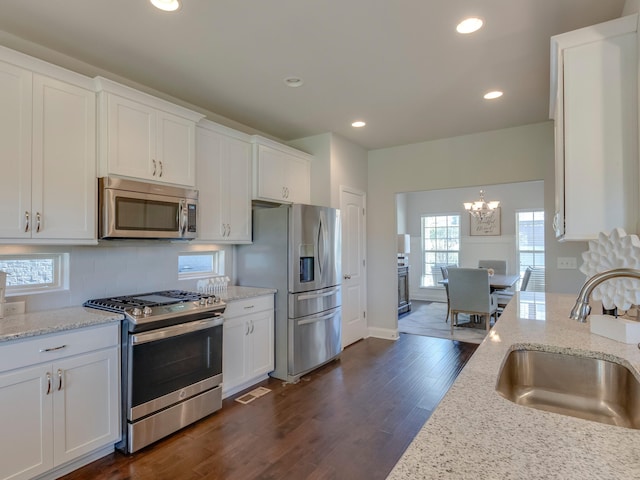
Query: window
point(200, 264)
point(35, 273)
point(530, 238)
point(441, 241)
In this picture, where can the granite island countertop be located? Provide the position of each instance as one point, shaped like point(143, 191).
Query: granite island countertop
point(24, 325)
point(475, 433)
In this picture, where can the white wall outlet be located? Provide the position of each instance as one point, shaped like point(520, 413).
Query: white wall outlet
point(13, 308)
point(567, 263)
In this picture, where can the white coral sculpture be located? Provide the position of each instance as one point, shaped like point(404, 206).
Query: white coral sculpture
point(616, 250)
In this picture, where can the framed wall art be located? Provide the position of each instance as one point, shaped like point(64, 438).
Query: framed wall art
point(489, 226)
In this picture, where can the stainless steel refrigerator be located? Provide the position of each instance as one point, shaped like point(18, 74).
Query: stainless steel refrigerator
point(297, 250)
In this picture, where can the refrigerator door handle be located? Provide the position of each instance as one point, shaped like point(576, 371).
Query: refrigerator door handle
point(317, 319)
point(311, 296)
point(322, 244)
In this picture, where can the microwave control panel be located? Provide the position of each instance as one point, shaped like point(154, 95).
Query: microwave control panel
point(191, 219)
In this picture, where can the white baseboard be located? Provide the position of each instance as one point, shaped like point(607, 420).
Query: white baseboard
point(384, 333)
point(77, 463)
point(238, 388)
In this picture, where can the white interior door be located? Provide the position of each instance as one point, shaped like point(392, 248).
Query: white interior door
point(352, 210)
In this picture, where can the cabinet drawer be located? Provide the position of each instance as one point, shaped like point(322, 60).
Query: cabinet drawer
point(46, 348)
point(246, 306)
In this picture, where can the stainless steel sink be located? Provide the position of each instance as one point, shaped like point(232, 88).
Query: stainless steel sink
point(588, 388)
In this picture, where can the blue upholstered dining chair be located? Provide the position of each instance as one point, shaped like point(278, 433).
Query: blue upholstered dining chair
point(499, 266)
point(469, 292)
point(445, 275)
point(504, 296)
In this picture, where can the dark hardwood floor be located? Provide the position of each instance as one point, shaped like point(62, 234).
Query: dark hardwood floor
point(352, 418)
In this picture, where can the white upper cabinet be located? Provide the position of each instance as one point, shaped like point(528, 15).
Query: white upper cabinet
point(594, 102)
point(48, 150)
point(280, 173)
point(224, 184)
point(144, 137)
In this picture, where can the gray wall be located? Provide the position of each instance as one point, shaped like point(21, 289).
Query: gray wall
point(510, 155)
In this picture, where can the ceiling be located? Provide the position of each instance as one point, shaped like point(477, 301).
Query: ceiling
point(399, 65)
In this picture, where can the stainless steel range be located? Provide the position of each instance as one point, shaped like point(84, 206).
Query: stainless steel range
point(171, 362)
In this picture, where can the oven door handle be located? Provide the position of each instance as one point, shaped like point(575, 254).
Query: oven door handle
point(175, 330)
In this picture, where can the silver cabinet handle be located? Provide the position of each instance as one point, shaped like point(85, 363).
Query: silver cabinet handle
point(284, 195)
point(26, 225)
point(48, 383)
point(52, 349)
point(38, 222)
point(248, 329)
point(249, 307)
point(252, 326)
point(59, 379)
point(154, 167)
point(160, 169)
point(347, 277)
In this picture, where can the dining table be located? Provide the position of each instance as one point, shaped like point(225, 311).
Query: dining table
point(496, 281)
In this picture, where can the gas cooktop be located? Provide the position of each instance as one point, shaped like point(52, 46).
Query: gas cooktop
point(163, 306)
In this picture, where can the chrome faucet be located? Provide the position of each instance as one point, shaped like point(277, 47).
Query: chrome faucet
point(581, 309)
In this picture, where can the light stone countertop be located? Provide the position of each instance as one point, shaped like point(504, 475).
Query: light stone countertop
point(14, 327)
point(474, 433)
point(240, 293)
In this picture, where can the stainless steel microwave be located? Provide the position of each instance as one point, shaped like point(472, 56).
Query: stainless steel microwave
point(132, 209)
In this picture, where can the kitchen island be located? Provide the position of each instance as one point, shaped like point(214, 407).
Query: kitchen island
point(477, 434)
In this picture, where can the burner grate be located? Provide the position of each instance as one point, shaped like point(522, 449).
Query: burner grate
point(119, 304)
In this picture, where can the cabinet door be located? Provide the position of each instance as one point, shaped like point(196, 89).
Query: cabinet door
point(15, 150)
point(224, 186)
point(262, 347)
point(602, 109)
point(26, 447)
point(270, 175)
point(594, 105)
point(298, 185)
point(236, 191)
point(209, 148)
point(131, 138)
point(64, 201)
point(175, 162)
point(234, 353)
point(85, 407)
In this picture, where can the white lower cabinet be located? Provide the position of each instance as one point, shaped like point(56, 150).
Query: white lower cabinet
point(56, 411)
point(248, 348)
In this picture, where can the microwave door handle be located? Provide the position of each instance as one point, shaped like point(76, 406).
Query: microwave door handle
point(182, 218)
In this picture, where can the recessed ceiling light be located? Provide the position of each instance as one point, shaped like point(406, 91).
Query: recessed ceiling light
point(293, 81)
point(493, 94)
point(469, 25)
point(166, 5)
point(358, 124)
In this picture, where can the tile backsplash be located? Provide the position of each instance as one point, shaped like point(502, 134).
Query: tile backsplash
point(117, 268)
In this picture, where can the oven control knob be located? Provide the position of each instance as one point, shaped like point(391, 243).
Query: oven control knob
point(136, 312)
point(203, 301)
point(147, 311)
point(210, 300)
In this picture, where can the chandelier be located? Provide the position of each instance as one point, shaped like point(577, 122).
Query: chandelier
point(481, 209)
